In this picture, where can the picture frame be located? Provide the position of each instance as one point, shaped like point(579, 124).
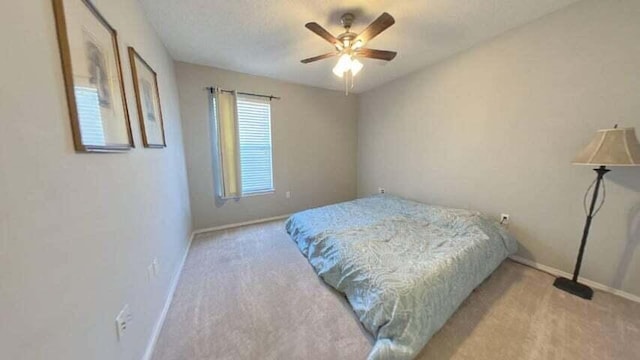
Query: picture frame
point(93, 80)
point(145, 85)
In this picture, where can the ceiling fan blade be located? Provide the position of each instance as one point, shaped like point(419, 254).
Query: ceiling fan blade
point(376, 27)
point(320, 31)
point(319, 57)
point(376, 54)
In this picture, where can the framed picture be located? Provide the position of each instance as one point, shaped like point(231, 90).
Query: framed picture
point(93, 78)
point(145, 84)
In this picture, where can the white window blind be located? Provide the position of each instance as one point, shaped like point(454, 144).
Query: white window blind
point(254, 136)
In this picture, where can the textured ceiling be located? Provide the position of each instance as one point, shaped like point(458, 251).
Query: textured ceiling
point(268, 38)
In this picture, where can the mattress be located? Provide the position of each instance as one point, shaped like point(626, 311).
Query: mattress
point(405, 267)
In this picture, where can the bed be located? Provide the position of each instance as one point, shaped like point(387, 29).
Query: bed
point(405, 267)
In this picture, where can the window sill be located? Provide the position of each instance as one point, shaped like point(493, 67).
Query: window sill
point(266, 192)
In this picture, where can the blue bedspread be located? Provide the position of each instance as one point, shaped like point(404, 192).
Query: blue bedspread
point(404, 266)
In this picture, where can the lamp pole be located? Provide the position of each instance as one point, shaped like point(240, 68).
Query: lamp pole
point(573, 286)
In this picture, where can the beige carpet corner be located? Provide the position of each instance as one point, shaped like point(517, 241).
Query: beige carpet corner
point(248, 293)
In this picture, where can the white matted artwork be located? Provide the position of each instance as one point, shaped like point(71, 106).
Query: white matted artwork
point(93, 78)
point(145, 84)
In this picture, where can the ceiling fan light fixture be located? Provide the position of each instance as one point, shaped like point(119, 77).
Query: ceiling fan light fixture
point(343, 65)
point(356, 66)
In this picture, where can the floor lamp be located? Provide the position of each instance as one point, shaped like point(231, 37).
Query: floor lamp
point(609, 147)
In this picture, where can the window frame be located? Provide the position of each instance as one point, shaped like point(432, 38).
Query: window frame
point(272, 189)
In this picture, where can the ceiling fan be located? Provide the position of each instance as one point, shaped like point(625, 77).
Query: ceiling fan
point(350, 46)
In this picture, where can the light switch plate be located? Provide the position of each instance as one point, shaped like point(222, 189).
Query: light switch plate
point(123, 321)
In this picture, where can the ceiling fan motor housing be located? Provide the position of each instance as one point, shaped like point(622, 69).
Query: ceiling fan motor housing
point(347, 20)
point(346, 38)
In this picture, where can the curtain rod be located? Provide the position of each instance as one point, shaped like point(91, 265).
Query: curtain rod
point(270, 97)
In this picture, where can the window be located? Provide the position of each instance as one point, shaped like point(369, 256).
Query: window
point(254, 135)
point(242, 153)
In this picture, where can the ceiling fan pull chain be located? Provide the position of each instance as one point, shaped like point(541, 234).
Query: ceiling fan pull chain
point(352, 78)
point(346, 83)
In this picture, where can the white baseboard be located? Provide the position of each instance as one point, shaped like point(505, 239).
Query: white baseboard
point(235, 225)
point(593, 284)
point(167, 304)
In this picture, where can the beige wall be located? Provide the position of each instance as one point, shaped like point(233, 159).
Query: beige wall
point(314, 146)
point(77, 231)
point(495, 129)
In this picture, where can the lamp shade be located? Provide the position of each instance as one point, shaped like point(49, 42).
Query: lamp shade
point(611, 147)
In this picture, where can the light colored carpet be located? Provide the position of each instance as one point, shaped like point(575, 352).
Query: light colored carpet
point(248, 293)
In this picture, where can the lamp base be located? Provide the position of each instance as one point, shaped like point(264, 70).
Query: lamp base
point(574, 287)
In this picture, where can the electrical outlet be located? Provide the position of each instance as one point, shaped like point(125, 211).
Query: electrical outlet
point(156, 266)
point(381, 190)
point(504, 219)
point(288, 194)
point(123, 321)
